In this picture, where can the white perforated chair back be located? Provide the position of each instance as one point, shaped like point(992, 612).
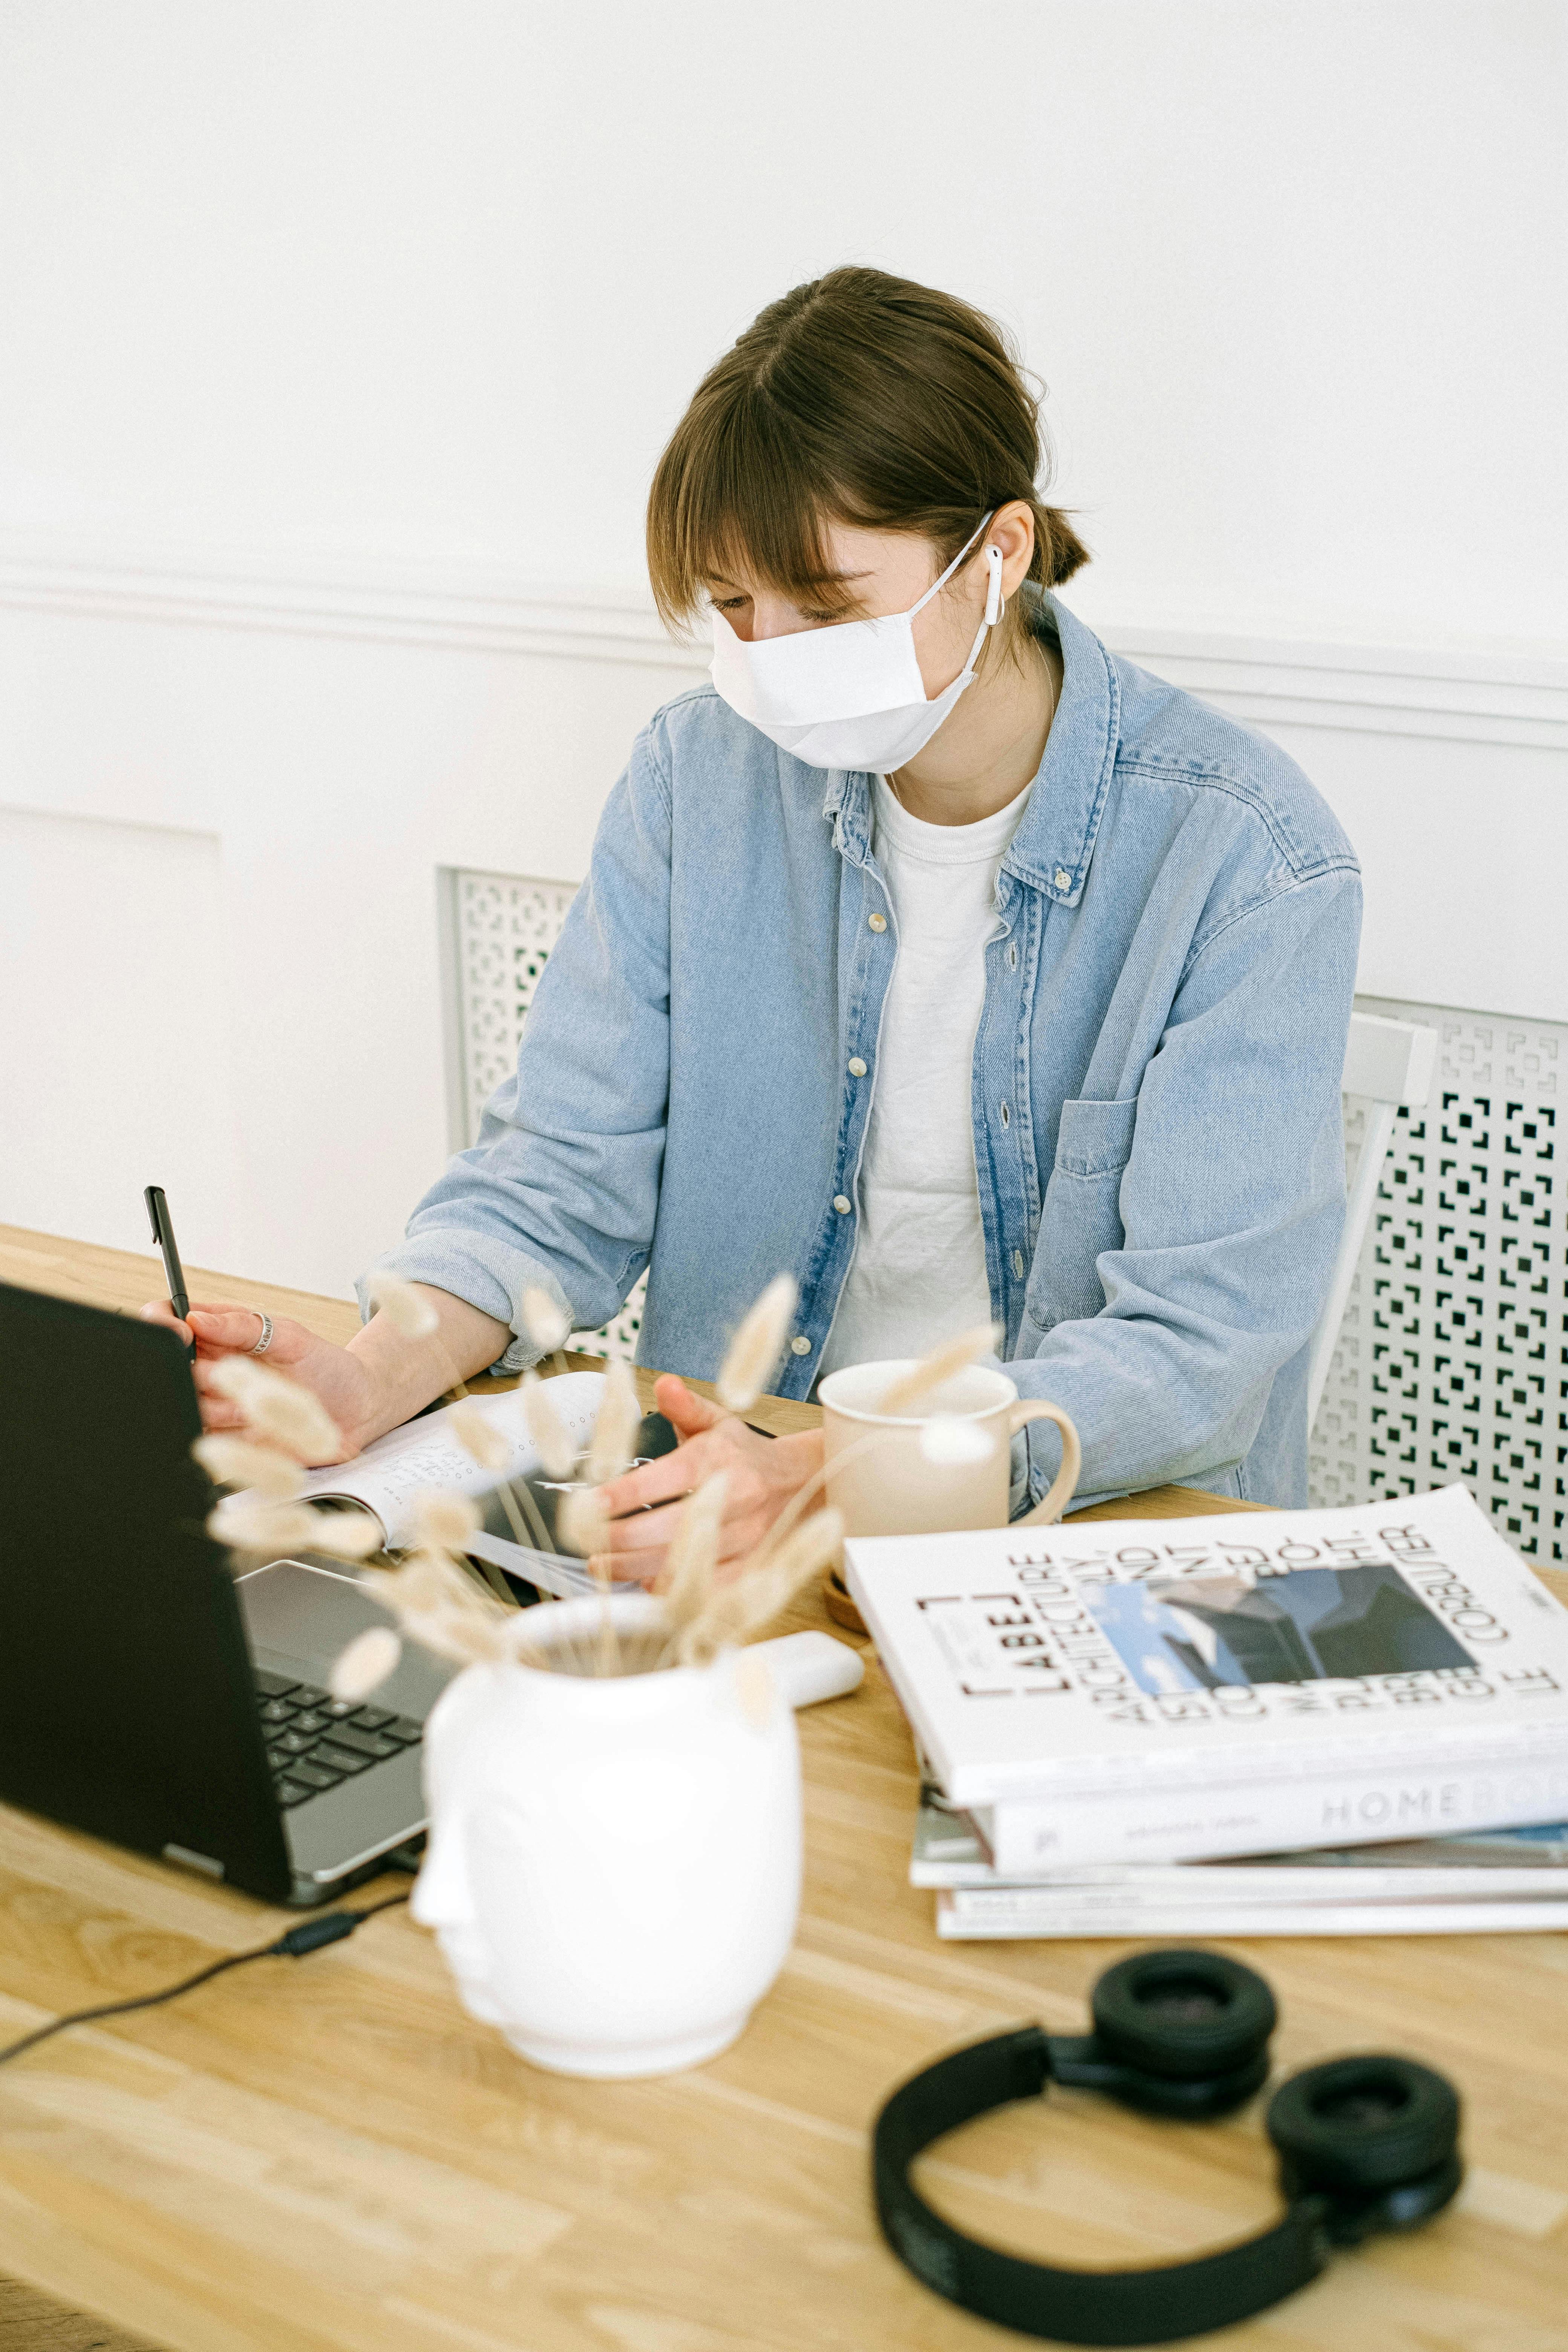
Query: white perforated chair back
point(1389, 1063)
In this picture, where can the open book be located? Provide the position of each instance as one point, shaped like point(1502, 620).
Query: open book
point(387, 1476)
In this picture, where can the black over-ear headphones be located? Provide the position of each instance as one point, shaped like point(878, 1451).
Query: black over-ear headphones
point(1364, 2145)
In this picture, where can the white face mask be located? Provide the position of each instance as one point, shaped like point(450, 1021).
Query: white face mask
point(850, 696)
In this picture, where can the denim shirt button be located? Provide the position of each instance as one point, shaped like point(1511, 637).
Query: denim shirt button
point(800, 1345)
point(841, 1204)
point(1062, 878)
point(856, 1067)
point(878, 922)
point(1018, 1264)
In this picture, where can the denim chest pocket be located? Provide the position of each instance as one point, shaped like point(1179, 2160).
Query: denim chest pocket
point(1095, 1139)
point(1082, 1212)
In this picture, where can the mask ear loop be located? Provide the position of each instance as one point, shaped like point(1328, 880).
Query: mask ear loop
point(992, 612)
point(940, 582)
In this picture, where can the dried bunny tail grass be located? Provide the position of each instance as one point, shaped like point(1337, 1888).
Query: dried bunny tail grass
point(406, 1308)
point(248, 1525)
point(755, 1349)
point(608, 1648)
point(301, 1421)
point(365, 1666)
point(535, 1535)
point(437, 1605)
point(754, 1690)
point(929, 1375)
point(615, 1426)
point(421, 1580)
point(236, 1461)
point(582, 1522)
point(346, 1534)
point(444, 1520)
point(528, 1644)
point(793, 1510)
point(551, 1440)
point(238, 1378)
point(950, 1440)
point(478, 1436)
point(753, 1599)
point(547, 1324)
point(279, 1408)
point(686, 1582)
point(450, 1634)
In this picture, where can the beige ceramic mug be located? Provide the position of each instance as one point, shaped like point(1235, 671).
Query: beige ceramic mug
point(886, 1485)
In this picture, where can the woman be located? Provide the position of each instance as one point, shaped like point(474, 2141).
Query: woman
point(953, 964)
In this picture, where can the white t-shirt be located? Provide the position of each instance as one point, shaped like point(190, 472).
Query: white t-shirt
point(918, 1275)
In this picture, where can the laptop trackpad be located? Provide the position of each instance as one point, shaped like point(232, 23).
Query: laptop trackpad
point(298, 1619)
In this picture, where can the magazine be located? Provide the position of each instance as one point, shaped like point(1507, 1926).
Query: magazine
point(1173, 1690)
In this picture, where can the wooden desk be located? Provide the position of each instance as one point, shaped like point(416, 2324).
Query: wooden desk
point(329, 2155)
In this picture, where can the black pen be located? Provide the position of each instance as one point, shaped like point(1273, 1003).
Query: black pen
point(164, 1234)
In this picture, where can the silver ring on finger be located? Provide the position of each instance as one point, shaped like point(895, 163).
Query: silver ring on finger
point(266, 1339)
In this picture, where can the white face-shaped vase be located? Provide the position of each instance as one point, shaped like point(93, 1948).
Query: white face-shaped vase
point(614, 1863)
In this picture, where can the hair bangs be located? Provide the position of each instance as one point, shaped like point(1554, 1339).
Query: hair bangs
point(739, 501)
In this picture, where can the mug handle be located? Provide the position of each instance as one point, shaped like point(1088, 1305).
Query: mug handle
point(1046, 1513)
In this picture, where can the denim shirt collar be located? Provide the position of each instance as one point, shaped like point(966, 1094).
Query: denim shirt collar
point(1054, 840)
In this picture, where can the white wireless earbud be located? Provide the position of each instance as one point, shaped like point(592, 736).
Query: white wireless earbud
point(994, 591)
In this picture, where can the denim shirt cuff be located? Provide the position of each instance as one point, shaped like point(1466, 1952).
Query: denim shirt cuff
point(1036, 1458)
point(1036, 1454)
point(1019, 1499)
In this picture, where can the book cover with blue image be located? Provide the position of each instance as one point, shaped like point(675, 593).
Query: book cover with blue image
point(1207, 1631)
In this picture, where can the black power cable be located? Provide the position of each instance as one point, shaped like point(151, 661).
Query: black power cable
point(329, 1928)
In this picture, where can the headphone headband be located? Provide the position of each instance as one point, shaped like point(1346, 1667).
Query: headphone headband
point(1366, 2144)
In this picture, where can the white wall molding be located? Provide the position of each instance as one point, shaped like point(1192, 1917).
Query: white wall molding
point(1458, 693)
point(1464, 694)
point(473, 609)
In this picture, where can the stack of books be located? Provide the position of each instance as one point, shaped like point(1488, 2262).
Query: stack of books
point(1347, 1722)
point(1417, 1887)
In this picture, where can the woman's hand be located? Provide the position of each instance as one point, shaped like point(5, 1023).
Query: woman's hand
point(382, 1378)
point(339, 1378)
point(763, 1475)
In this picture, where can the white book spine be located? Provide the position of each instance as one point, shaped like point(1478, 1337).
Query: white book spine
point(1196, 1882)
point(1362, 1808)
point(1181, 1906)
point(989, 1916)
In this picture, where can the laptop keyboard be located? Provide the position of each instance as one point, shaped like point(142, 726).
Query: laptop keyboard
point(314, 1741)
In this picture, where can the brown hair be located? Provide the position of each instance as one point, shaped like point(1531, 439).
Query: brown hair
point(861, 399)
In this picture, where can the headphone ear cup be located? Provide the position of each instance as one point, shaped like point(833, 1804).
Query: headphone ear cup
point(1183, 2015)
point(1363, 2123)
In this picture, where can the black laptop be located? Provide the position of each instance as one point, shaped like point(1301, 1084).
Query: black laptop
point(148, 1692)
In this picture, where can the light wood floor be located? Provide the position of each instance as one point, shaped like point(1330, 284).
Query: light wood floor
point(29, 2322)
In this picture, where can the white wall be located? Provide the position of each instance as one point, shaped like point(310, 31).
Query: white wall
point(341, 340)
point(115, 928)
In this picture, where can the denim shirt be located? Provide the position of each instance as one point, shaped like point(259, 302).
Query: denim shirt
point(1155, 1089)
